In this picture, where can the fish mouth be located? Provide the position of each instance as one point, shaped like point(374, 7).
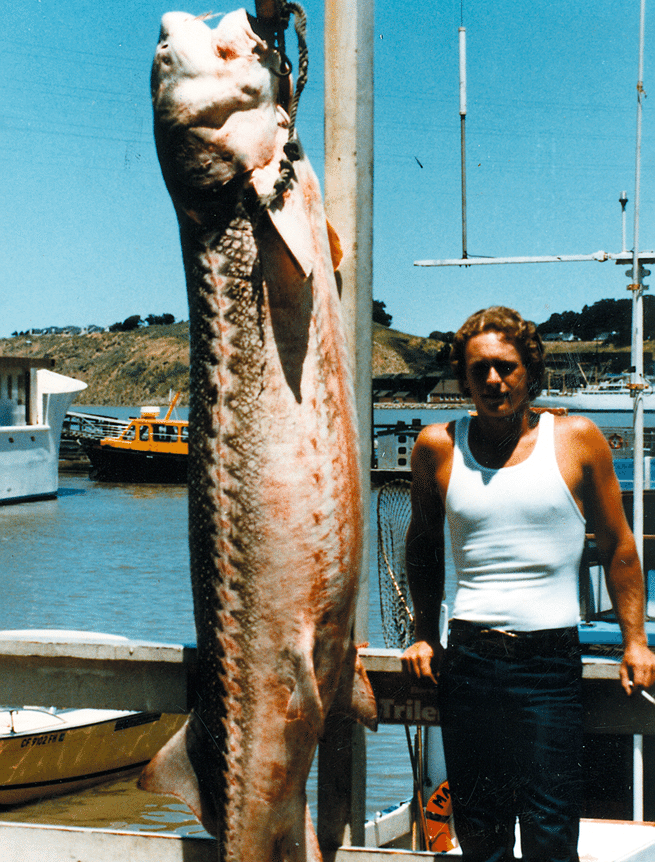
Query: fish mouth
point(186, 43)
point(188, 47)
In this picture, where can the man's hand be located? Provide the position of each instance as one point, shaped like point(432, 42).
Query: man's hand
point(423, 660)
point(637, 668)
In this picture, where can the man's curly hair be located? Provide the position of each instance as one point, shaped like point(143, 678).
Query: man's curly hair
point(508, 322)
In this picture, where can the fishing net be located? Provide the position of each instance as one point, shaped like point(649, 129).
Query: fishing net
point(394, 511)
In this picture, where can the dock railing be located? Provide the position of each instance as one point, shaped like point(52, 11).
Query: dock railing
point(118, 673)
point(78, 424)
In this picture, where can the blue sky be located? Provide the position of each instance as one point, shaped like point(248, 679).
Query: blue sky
point(88, 234)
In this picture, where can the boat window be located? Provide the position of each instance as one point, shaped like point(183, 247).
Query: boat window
point(128, 434)
point(9, 386)
point(164, 433)
point(20, 391)
point(185, 433)
point(144, 432)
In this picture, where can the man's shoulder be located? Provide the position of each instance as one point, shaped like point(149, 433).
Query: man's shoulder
point(579, 431)
point(576, 424)
point(437, 435)
point(431, 454)
point(434, 442)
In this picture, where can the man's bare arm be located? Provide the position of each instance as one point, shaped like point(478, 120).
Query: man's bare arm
point(425, 562)
point(618, 552)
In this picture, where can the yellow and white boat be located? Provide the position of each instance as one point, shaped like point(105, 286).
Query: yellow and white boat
point(49, 752)
point(149, 449)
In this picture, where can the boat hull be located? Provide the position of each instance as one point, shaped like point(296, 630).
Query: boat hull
point(29, 453)
point(28, 463)
point(596, 402)
point(110, 464)
point(60, 759)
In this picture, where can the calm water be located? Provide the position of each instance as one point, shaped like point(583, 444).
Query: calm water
point(114, 558)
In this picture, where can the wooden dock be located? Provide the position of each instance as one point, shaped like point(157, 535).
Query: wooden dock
point(600, 841)
point(109, 672)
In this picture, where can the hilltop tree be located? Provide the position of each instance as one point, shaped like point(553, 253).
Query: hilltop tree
point(379, 313)
point(130, 323)
point(446, 337)
point(160, 319)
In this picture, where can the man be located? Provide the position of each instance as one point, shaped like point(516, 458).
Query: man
point(515, 486)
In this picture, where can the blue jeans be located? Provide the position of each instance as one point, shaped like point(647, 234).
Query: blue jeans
point(511, 716)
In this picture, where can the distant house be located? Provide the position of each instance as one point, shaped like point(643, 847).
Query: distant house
point(446, 390)
point(403, 388)
point(560, 336)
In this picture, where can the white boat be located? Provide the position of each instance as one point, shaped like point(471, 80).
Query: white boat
point(49, 752)
point(33, 402)
point(608, 396)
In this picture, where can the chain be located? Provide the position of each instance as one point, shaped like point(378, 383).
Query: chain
point(292, 146)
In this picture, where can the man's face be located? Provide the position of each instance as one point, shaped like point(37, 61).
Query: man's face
point(495, 375)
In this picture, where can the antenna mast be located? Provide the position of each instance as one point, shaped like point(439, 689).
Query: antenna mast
point(637, 287)
point(462, 117)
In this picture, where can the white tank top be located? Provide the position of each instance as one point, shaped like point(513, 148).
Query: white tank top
point(517, 537)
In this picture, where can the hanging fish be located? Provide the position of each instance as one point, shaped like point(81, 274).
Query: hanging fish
point(275, 510)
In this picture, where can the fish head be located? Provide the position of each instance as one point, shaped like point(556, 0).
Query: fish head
point(215, 102)
point(189, 49)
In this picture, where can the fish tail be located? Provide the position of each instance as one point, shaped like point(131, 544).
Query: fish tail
point(176, 771)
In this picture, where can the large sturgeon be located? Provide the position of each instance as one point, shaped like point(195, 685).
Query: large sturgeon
point(275, 508)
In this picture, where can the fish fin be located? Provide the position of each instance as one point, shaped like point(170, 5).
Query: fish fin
point(336, 251)
point(305, 703)
point(292, 214)
point(171, 772)
point(292, 223)
point(363, 704)
point(355, 696)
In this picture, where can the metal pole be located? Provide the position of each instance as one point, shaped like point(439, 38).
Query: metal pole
point(638, 777)
point(349, 32)
point(637, 376)
point(623, 200)
point(266, 10)
point(480, 261)
point(349, 40)
point(637, 317)
point(462, 119)
point(600, 256)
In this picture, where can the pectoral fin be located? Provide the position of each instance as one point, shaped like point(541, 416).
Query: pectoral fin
point(305, 703)
point(336, 251)
point(355, 696)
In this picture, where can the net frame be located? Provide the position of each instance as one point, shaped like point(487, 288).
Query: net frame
point(393, 516)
